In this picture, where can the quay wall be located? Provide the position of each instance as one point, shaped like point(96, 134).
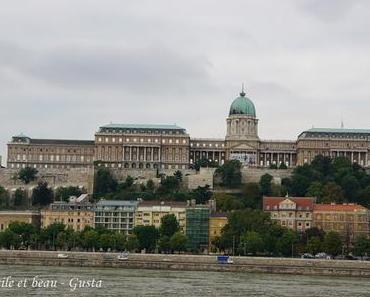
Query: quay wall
point(190, 262)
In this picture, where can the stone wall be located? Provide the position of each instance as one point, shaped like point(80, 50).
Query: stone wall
point(190, 262)
point(82, 177)
point(254, 174)
point(200, 179)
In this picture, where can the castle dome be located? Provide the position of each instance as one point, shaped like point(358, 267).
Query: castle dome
point(242, 105)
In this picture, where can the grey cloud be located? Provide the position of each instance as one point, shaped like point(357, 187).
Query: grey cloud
point(135, 69)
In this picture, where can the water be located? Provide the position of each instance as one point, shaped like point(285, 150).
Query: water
point(137, 282)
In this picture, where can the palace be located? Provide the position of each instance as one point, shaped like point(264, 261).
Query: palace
point(137, 146)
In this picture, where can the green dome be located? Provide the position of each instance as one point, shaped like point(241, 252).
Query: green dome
point(243, 105)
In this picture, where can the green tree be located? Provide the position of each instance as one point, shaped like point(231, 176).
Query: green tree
point(332, 192)
point(42, 195)
point(285, 244)
point(132, 243)
point(63, 193)
point(20, 198)
point(4, 198)
point(169, 184)
point(282, 166)
point(315, 190)
point(230, 173)
point(178, 242)
point(362, 246)
point(104, 182)
point(204, 162)
point(27, 175)
point(106, 241)
point(333, 243)
point(90, 240)
point(178, 175)
point(24, 231)
point(8, 239)
point(201, 194)
point(252, 197)
point(351, 188)
point(251, 242)
point(169, 225)
point(314, 245)
point(150, 185)
point(227, 202)
point(265, 184)
point(164, 244)
point(119, 241)
point(147, 237)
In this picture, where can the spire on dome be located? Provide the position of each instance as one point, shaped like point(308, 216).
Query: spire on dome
point(242, 94)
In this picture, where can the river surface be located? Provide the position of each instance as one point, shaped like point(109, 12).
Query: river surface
point(69, 281)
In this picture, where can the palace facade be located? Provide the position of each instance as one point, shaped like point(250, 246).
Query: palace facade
point(137, 146)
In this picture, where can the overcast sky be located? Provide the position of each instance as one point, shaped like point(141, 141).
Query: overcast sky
point(68, 67)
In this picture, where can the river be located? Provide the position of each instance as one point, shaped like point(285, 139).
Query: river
point(72, 281)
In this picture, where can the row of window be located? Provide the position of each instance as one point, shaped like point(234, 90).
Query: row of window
point(142, 140)
point(51, 158)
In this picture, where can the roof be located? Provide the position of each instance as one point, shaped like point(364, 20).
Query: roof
point(335, 131)
point(117, 203)
point(301, 202)
point(242, 105)
point(218, 215)
point(149, 203)
point(142, 126)
point(62, 141)
point(338, 130)
point(339, 207)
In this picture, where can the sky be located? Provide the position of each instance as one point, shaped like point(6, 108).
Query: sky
point(70, 66)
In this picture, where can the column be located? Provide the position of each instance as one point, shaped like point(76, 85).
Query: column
point(366, 159)
point(277, 161)
point(264, 159)
point(213, 155)
point(359, 158)
point(290, 160)
point(351, 157)
point(151, 154)
point(271, 155)
point(130, 154)
point(144, 154)
point(159, 155)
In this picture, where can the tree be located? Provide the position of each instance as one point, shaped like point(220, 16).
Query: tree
point(164, 244)
point(251, 242)
point(227, 202)
point(4, 198)
point(63, 193)
point(42, 195)
point(90, 239)
point(252, 195)
point(230, 173)
point(285, 244)
point(315, 190)
point(150, 185)
point(314, 245)
point(104, 182)
point(24, 231)
point(201, 194)
point(119, 241)
point(147, 237)
point(106, 241)
point(265, 184)
point(351, 188)
point(169, 184)
point(332, 243)
point(178, 242)
point(362, 246)
point(20, 198)
point(332, 192)
point(169, 225)
point(204, 162)
point(178, 175)
point(8, 239)
point(132, 243)
point(27, 174)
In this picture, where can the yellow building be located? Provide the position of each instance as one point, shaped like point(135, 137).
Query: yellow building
point(348, 219)
point(150, 213)
point(216, 222)
point(74, 215)
point(11, 216)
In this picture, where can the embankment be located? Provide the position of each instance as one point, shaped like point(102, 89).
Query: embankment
point(189, 262)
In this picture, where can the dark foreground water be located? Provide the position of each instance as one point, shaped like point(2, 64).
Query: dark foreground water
point(66, 281)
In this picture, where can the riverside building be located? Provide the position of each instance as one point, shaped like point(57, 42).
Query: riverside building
point(143, 146)
point(115, 215)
